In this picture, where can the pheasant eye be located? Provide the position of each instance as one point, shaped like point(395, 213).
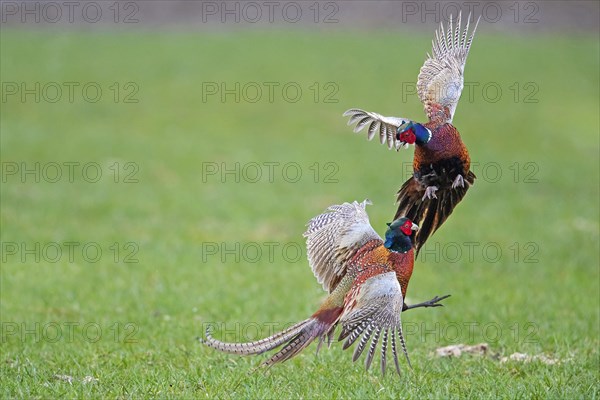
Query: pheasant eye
point(406, 228)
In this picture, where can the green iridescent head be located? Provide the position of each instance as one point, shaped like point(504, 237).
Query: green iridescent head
point(398, 235)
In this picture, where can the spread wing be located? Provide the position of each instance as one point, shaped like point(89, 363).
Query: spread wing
point(376, 312)
point(440, 80)
point(333, 237)
point(385, 127)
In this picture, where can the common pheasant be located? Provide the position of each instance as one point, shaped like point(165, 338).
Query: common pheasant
point(441, 164)
point(366, 277)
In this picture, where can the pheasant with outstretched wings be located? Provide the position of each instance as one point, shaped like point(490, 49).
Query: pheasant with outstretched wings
point(366, 277)
point(441, 164)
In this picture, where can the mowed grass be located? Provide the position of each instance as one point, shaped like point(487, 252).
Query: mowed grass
point(134, 325)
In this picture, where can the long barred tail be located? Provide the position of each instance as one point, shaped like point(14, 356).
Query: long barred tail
point(312, 330)
point(295, 338)
point(257, 347)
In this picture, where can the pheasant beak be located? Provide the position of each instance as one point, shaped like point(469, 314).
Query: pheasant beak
point(414, 227)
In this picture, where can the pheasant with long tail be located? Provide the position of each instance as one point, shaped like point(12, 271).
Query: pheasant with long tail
point(366, 277)
point(441, 164)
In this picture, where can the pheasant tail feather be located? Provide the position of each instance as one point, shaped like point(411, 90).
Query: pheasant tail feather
point(294, 339)
point(429, 214)
point(256, 347)
point(321, 326)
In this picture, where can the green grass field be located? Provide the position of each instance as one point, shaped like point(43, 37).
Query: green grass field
point(133, 325)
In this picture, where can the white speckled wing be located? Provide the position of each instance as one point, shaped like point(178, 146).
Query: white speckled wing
point(332, 238)
point(441, 79)
point(385, 127)
point(375, 313)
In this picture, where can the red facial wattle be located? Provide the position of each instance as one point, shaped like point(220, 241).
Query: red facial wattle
point(406, 228)
point(408, 136)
